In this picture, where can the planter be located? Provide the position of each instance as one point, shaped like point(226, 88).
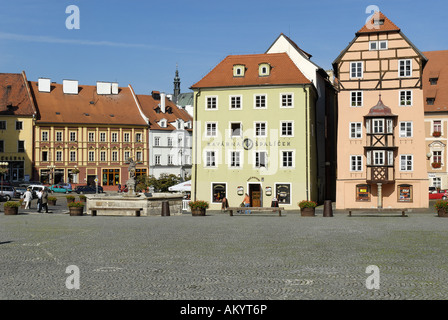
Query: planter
point(198, 212)
point(51, 202)
point(442, 213)
point(308, 212)
point(11, 211)
point(76, 211)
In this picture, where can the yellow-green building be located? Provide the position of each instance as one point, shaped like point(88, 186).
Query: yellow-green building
point(17, 114)
point(255, 133)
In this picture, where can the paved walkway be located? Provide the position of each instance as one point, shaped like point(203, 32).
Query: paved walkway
point(222, 257)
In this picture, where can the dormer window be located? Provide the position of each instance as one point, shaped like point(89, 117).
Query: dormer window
point(378, 22)
point(238, 70)
point(162, 123)
point(264, 69)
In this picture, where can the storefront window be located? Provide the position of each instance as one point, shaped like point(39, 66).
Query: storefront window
point(405, 193)
point(218, 192)
point(111, 177)
point(363, 193)
point(283, 193)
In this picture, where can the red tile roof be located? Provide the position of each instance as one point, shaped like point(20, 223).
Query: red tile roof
point(371, 27)
point(436, 67)
point(86, 107)
point(283, 71)
point(15, 98)
point(149, 107)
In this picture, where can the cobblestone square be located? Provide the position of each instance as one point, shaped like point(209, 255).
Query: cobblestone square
point(221, 257)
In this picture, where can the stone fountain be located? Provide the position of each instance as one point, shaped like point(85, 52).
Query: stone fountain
point(131, 203)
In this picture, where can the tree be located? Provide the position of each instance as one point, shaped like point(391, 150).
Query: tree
point(160, 185)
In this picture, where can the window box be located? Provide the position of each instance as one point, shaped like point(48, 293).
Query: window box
point(436, 134)
point(436, 164)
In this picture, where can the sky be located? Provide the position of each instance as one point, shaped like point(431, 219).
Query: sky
point(140, 42)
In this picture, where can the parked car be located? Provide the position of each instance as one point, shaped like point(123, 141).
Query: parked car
point(8, 192)
point(439, 194)
point(60, 188)
point(432, 189)
point(88, 189)
point(20, 191)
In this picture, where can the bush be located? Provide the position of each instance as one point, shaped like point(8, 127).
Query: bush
point(70, 197)
point(441, 205)
point(76, 204)
point(307, 204)
point(52, 198)
point(198, 204)
point(81, 196)
point(11, 204)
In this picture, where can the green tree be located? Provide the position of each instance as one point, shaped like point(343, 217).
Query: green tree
point(160, 185)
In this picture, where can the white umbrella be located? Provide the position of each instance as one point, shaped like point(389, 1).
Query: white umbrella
point(183, 186)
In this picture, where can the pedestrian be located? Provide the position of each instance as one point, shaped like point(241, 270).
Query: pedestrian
point(27, 197)
point(246, 202)
point(44, 202)
point(225, 203)
point(119, 187)
point(274, 202)
point(39, 200)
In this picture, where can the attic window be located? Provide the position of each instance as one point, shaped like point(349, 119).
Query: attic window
point(264, 69)
point(433, 81)
point(238, 70)
point(111, 115)
point(430, 101)
point(86, 114)
point(378, 22)
point(162, 123)
point(58, 112)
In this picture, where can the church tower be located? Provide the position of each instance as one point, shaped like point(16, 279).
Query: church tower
point(176, 86)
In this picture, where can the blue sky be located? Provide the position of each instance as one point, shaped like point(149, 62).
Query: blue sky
point(139, 42)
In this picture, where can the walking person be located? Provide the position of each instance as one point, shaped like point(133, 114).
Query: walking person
point(39, 200)
point(44, 201)
point(246, 202)
point(27, 197)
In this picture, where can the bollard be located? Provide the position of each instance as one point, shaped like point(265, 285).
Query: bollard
point(165, 208)
point(328, 209)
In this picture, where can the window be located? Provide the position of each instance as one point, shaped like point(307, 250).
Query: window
point(59, 156)
point(211, 129)
point(437, 126)
point(405, 68)
point(235, 102)
point(283, 193)
point(260, 129)
point(19, 125)
point(114, 137)
point(91, 136)
point(378, 45)
point(287, 159)
point(111, 177)
point(235, 129)
point(356, 98)
point(103, 156)
point(127, 155)
point(44, 135)
point(263, 69)
point(139, 156)
point(218, 192)
point(72, 156)
point(373, 45)
point(2, 146)
point(286, 100)
point(238, 70)
point(356, 70)
point(157, 159)
point(378, 158)
point(2, 125)
point(170, 160)
point(378, 125)
point(406, 162)
point(126, 137)
point(170, 142)
point(406, 129)
point(433, 81)
point(102, 136)
point(355, 130)
point(212, 103)
point(383, 45)
point(261, 158)
point(59, 136)
point(91, 156)
point(156, 141)
point(363, 193)
point(138, 137)
point(210, 160)
point(437, 182)
point(405, 193)
point(437, 156)
point(72, 136)
point(235, 159)
point(44, 156)
point(355, 163)
point(406, 98)
point(20, 146)
point(260, 101)
point(287, 129)
point(115, 156)
point(430, 101)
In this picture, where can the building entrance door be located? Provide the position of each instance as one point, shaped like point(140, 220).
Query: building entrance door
point(255, 194)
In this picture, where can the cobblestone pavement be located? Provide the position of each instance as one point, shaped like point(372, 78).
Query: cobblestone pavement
point(253, 257)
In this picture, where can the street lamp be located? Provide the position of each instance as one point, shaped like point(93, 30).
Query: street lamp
point(3, 170)
point(51, 168)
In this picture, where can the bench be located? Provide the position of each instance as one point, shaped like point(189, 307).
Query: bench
point(376, 210)
point(95, 209)
point(269, 209)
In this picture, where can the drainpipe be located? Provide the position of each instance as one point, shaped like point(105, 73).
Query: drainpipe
point(306, 142)
point(196, 144)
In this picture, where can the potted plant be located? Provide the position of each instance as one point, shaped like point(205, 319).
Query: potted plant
point(52, 201)
point(11, 208)
point(70, 199)
point(436, 164)
point(22, 205)
point(442, 208)
point(436, 134)
point(76, 208)
point(82, 198)
point(198, 207)
point(307, 208)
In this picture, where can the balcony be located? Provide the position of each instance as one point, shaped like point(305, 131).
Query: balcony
point(380, 174)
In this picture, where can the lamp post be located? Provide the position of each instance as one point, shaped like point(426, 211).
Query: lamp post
point(51, 168)
point(3, 170)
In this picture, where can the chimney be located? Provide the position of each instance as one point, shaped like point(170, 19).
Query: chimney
point(162, 102)
point(70, 86)
point(103, 87)
point(114, 87)
point(44, 84)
